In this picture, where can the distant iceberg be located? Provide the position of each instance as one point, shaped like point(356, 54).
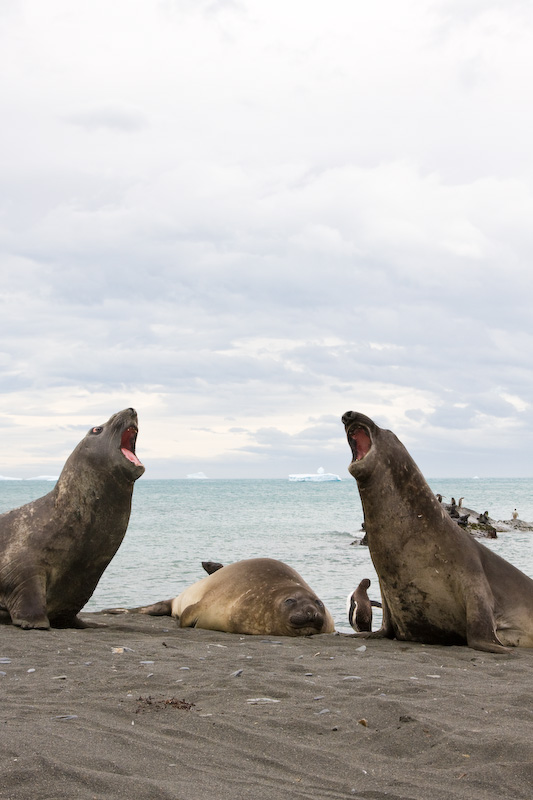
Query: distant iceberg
point(37, 478)
point(198, 476)
point(318, 477)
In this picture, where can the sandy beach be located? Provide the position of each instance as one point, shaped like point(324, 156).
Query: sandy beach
point(140, 710)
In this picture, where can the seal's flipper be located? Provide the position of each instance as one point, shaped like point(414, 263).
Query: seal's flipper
point(118, 610)
point(481, 627)
point(211, 566)
point(487, 646)
point(381, 633)
point(161, 609)
point(189, 616)
point(41, 623)
point(29, 609)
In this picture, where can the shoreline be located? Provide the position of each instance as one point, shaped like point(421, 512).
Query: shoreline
point(141, 709)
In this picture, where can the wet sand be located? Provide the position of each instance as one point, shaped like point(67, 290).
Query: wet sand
point(141, 710)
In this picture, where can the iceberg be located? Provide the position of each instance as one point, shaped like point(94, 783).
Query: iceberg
point(318, 477)
point(37, 478)
point(198, 476)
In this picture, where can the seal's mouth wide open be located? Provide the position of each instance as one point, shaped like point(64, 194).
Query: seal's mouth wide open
point(127, 445)
point(359, 441)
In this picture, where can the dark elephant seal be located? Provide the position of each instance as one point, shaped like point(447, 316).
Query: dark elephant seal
point(359, 607)
point(256, 596)
point(438, 584)
point(54, 550)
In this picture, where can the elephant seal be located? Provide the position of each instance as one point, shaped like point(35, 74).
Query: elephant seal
point(255, 596)
point(438, 584)
point(359, 607)
point(54, 549)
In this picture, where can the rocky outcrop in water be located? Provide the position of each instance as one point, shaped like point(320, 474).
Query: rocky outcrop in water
point(480, 525)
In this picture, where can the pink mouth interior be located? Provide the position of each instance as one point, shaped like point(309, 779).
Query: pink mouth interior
point(128, 443)
point(362, 440)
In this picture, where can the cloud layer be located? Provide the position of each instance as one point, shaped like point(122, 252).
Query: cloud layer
point(247, 218)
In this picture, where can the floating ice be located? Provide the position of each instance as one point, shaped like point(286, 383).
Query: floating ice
point(318, 476)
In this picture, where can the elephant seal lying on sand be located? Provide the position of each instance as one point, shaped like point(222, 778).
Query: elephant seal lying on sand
point(438, 584)
point(257, 596)
point(54, 550)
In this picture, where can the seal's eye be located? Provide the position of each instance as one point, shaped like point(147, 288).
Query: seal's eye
point(319, 603)
point(98, 429)
point(290, 601)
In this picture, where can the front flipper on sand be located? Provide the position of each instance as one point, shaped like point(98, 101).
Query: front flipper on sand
point(189, 616)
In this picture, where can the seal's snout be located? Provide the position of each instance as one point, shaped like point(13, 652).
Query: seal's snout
point(348, 417)
point(311, 616)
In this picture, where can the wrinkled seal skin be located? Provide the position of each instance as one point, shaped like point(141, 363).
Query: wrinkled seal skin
point(54, 550)
point(438, 584)
point(255, 596)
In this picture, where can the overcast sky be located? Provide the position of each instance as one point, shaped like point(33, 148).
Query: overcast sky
point(246, 218)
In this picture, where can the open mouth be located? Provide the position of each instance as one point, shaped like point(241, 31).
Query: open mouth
point(127, 445)
point(359, 441)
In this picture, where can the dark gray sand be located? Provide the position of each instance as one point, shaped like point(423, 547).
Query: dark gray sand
point(141, 710)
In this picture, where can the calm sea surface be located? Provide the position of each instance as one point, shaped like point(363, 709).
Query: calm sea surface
point(177, 524)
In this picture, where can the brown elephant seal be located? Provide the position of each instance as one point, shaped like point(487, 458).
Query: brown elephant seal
point(54, 550)
point(359, 607)
point(255, 596)
point(438, 584)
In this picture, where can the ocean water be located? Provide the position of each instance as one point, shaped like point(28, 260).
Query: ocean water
point(177, 524)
